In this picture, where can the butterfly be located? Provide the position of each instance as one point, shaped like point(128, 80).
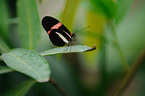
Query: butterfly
point(59, 35)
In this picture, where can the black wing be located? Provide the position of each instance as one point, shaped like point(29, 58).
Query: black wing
point(49, 22)
point(56, 39)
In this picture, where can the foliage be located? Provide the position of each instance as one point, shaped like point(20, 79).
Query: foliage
point(117, 34)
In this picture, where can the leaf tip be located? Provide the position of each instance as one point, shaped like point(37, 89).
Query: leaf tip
point(91, 49)
point(44, 80)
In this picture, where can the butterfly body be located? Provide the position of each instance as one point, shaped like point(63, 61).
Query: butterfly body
point(59, 35)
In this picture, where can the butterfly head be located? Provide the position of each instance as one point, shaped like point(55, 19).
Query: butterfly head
point(73, 37)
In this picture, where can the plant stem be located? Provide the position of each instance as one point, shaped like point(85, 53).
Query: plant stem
point(1, 58)
point(124, 61)
point(129, 77)
point(69, 13)
point(59, 89)
point(103, 82)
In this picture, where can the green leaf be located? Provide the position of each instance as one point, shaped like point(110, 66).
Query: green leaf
point(107, 7)
point(3, 20)
point(28, 62)
point(28, 23)
point(3, 46)
point(123, 8)
point(67, 49)
point(5, 69)
point(21, 89)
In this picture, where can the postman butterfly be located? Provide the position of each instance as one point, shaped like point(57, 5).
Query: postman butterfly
point(59, 35)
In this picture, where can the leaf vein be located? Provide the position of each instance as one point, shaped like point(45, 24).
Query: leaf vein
point(27, 65)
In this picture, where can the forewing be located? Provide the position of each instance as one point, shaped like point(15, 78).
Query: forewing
point(48, 22)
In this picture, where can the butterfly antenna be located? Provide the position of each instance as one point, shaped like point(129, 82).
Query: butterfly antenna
point(77, 27)
point(78, 42)
point(83, 28)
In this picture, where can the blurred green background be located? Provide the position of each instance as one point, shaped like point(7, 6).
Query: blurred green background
point(116, 27)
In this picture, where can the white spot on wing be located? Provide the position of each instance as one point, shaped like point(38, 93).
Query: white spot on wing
point(67, 34)
point(62, 37)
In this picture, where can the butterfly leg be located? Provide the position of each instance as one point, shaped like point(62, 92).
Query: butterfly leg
point(78, 42)
point(68, 45)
